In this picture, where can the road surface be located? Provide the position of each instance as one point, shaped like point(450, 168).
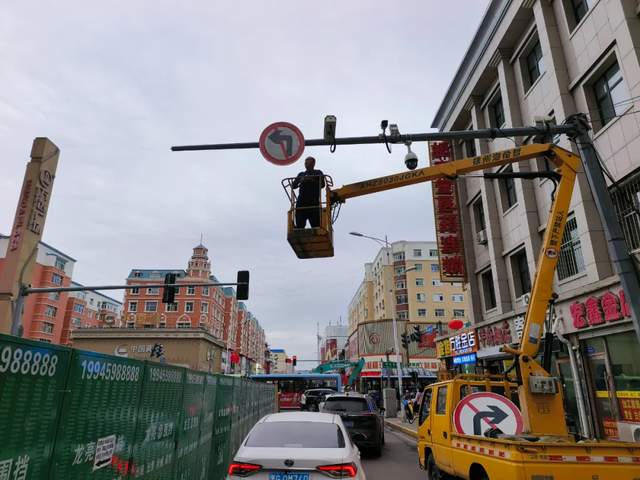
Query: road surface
point(399, 459)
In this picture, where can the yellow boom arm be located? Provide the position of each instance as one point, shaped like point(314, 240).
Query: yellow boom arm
point(542, 412)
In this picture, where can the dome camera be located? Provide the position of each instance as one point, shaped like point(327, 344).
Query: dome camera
point(410, 159)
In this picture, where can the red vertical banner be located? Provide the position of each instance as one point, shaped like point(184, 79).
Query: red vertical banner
point(447, 218)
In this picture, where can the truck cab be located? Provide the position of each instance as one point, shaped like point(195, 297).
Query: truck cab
point(435, 424)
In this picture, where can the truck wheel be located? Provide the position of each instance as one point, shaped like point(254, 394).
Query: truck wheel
point(433, 472)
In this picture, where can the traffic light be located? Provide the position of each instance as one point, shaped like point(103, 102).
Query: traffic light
point(157, 350)
point(243, 285)
point(169, 293)
point(415, 336)
point(405, 340)
point(294, 361)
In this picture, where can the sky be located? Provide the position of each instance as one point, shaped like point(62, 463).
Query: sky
point(115, 84)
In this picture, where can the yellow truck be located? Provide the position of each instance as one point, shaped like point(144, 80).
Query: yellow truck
point(484, 427)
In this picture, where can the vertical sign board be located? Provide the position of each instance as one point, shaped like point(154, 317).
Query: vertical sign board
point(207, 425)
point(447, 218)
point(188, 465)
point(27, 225)
point(159, 413)
point(221, 427)
point(95, 436)
point(32, 384)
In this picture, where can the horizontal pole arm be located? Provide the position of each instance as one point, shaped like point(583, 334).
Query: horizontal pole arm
point(27, 291)
point(410, 137)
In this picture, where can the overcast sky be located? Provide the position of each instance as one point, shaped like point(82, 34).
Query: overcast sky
point(115, 84)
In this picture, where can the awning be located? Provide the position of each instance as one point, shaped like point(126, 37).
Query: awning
point(408, 372)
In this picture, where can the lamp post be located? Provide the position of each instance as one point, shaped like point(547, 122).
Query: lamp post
point(387, 246)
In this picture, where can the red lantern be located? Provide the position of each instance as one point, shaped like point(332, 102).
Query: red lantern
point(235, 358)
point(456, 324)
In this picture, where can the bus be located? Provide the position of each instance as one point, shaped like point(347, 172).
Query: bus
point(291, 386)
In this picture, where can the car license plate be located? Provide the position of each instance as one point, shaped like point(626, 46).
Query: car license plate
point(348, 423)
point(288, 476)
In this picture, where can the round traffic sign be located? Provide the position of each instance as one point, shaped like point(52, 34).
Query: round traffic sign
point(478, 412)
point(281, 143)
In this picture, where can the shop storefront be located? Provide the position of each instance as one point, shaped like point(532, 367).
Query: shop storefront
point(609, 356)
point(459, 351)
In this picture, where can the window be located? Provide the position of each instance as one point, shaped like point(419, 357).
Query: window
point(496, 113)
point(570, 262)
point(534, 63)
point(183, 324)
point(579, 9)
point(399, 270)
point(50, 311)
point(54, 296)
point(478, 215)
point(135, 291)
point(171, 307)
point(296, 435)
point(75, 321)
point(520, 270)
point(457, 297)
point(133, 306)
point(47, 327)
point(56, 279)
point(137, 274)
point(433, 253)
point(439, 312)
point(419, 282)
point(188, 307)
point(422, 312)
point(401, 285)
point(417, 252)
point(398, 256)
point(435, 267)
point(438, 297)
point(458, 312)
point(78, 308)
point(426, 405)
point(402, 299)
point(610, 91)
point(205, 291)
point(151, 306)
point(60, 263)
point(441, 401)
point(131, 324)
point(418, 267)
point(469, 147)
point(488, 290)
point(508, 190)
point(421, 297)
point(153, 291)
point(191, 290)
point(204, 307)
point(403, 315)
point(436, 283)
point(624, 199)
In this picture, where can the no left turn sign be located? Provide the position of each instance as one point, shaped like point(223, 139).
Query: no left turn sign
point(478, 412)
point(281, 143)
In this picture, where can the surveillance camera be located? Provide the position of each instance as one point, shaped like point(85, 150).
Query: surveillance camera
point(411, 160)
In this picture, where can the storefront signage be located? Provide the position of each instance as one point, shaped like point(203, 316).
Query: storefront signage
point(599, 310)
point(447, 218)
point(502, 333)
point(464, 359)
point(464, 342)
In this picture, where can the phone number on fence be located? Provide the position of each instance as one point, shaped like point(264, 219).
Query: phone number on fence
point(27, 362)
point(94, 370)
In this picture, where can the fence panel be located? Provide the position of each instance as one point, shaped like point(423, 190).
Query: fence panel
point(220, 445)
point(159, 414)
point(188, 464)
point(207, 426)
point(98, 418)
point(32, 382)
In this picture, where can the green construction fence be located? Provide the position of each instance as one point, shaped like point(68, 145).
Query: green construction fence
point(73, 414)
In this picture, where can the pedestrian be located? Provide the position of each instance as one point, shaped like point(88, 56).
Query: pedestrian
point(310, 182)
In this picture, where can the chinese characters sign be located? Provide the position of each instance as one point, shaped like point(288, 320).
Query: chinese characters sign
point(599, 310)
point(501, 333)
point(464, 342)
point(447, 218)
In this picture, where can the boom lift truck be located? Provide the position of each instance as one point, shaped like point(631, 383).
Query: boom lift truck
point(545, 450)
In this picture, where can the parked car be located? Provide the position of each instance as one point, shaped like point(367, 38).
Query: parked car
point(312, 397)
point(297, 445)
point(361, 416)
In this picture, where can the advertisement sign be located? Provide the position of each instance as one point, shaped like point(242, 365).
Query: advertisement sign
point(447, 218)
point(464, 359)
point(599, 310)
point(463, 342)
point(500, 333)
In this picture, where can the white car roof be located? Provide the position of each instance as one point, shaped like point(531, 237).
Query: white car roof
point(300, 417)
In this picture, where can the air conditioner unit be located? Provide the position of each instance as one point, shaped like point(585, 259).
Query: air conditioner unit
point(526, 298)
point(481, 237)
point(629, 432)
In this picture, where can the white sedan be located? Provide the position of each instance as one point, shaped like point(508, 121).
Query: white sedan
point(297, 446)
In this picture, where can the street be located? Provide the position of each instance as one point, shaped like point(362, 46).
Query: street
point(399, 459)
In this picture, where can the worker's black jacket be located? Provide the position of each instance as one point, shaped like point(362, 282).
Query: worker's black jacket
point(311, 182)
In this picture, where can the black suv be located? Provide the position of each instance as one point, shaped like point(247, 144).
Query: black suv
point(362, 418)
point(311, 398)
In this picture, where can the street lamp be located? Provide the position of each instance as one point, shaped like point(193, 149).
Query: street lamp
point(385, 242)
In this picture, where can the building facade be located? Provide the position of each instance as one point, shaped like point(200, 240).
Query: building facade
point(534, 59)
point(403, 281)
point(280, 363)
point(213, 309)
